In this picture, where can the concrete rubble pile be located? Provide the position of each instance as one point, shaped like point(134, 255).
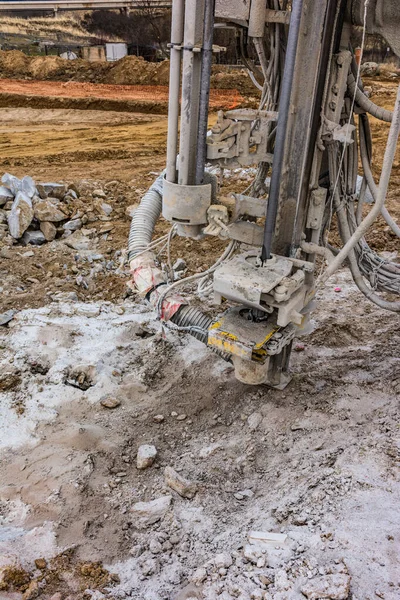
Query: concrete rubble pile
point(35, 213)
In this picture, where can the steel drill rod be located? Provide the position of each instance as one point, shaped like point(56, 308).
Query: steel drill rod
point(178, 9)
point(204, 89)
point(283, 115)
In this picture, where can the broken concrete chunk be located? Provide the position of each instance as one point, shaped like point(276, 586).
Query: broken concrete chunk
point(49, 230)
point(148, 513)
point(36, 238)
point(99, 193)
point(179, 484)
point(46, 210)
point(5, 195)
point(332, 587)
point(146, 456)
point(20, 216)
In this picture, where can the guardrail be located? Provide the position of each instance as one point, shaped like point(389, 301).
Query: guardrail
point(82, 5)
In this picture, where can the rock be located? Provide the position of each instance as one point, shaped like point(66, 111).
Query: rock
point(149, 567)
point(70, 195)
point(199, 576)
point(49, 230)
point(99, 194)
point(73, 225)
point(179, 265)
point(36, 238)
point(81, 376)
point(12, 183)
point(41, 191)
point(40, 563)
point(333, 587)
point(146, 456)
point(87, 310)
point(210, 450)
point(72, 187)
point(148, 513)
point(46, 210)
point(6, 253)
point(28, 186)
point(78, 241)
point(158, 418)
point(110, 402)
point(155, 547)
point(32, 591)
point(179, 484)
point(130, 210)
point(254, 420)
point(106, 208)
point(57, 190)
point(252, 553)
point(5, 195)
point(7, 316)
point(181, 417)
point(56, 596)
point(20, 216)
point(223, 560)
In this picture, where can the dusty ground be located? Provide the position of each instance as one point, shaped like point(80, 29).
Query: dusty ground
point(321, 464)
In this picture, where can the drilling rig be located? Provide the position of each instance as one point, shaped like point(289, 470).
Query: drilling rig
point(306, 139)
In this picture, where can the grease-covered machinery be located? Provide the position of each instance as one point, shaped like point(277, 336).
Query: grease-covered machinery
point(305, 138)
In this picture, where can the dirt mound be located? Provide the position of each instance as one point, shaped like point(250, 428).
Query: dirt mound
point(134, 70)
point(41, 67)
point(130, 70)
point(14, 62)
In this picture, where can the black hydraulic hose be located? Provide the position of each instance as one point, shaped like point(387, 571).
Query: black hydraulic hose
point(283, 115)
point(204, 90)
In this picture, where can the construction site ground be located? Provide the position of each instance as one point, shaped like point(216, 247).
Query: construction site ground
point(317, 461)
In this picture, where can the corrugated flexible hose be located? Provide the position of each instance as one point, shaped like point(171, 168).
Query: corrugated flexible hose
point(141, 231)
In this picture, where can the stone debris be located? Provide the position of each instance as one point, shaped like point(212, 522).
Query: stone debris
point(7, 316)
point(54, 209)
point(146, 456)
point(267, 537)
point(148, 513)
point(81, 376)
point(20, 216)
point(36, 238)
point(110, 402)
point(5, 195)
point(158, 418)
point(223, 560)
point(254, 420)
point(49, 230)
point(328, 587)
point(179, 484)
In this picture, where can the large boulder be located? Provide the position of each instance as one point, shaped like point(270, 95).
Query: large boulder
point(5, 195)
point(20, 216)
point(46, 210)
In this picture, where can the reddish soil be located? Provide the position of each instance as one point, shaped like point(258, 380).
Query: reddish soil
point(118, 94)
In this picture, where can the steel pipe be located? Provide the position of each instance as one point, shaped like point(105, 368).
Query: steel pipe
point(178, 11)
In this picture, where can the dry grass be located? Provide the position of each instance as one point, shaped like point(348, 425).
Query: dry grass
point(67, 25)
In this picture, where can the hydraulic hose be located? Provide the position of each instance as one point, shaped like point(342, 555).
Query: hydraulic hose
point(366, 104)
point(143, 222)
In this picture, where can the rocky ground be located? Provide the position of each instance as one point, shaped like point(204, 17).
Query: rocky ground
point(239, 492)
